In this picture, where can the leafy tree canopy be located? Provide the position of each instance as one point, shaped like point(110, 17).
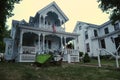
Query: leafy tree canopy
point(6, 11)
point(112, 7)
point(6, 7)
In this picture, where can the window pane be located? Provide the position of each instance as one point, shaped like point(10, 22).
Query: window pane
point(116, 26)
point(95, 33)
point(103, 43)
point(79, 27)
point(86, 35)
point(87, 47)
point(106, 30)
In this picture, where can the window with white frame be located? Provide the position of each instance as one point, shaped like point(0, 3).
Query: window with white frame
point(95, 33)
point(86, 34)
point(103, 43)
point(116, 26)
point(87, 47)
point(106, 30)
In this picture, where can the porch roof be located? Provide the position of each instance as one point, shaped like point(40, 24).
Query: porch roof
point(39, 30)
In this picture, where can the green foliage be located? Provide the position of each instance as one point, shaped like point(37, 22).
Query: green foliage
point(112, 7)
point(106, 57)
point(86, 58)
point(70, 46)
point(81, 54)
point(5, 12)
point(6, 33)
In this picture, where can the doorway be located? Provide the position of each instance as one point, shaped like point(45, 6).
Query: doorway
point(117, 42)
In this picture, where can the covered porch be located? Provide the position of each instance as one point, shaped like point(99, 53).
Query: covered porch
point(34, 42)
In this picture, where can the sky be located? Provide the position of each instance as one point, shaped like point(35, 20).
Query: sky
point(75, 10)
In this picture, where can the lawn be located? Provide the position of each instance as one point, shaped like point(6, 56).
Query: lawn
point(104, 62)
point(72, 71)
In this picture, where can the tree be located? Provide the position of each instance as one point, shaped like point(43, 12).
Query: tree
point(112, 7)
point(6, 33)
point(5, 12)
point(70, 46)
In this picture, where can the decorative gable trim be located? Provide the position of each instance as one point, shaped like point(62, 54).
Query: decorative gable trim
point(53, 4)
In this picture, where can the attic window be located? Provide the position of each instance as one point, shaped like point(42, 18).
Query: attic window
point(62, 22)
point(79, 27)
point(116, 26)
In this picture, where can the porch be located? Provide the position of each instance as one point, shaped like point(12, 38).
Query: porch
point(68, 55)
point(32, 41)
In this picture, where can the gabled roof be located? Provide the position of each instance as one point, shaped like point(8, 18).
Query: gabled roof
point(92, 25)
point(104, 24)
point(89, 24)
point(15, 22)
point(56, 7)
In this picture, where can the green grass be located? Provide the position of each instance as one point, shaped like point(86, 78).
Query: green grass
point(26, 71)
point(104, 62)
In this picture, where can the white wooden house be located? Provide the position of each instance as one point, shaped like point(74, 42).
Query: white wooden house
point(43, 33)
point(93, 37)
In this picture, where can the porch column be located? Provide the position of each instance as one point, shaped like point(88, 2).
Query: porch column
point(21, 41)
point(64, 25)
point(65, 51)
point(69, 58)
point(43, 42)
point(75, 42)
point(20, 45)
point(65, 40)
point(44, 21)
point(60, 21)
point(39, 42)
point(39, 21)
point(61, 44)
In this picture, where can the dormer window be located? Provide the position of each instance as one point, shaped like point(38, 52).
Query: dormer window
point(116, 26)
point(79, 27)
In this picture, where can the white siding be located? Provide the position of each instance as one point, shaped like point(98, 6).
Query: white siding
point(93, 41)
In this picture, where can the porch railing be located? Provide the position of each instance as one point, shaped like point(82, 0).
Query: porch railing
point(71, 55)
point(28, 50)
point(57, 28)
point(27, 57)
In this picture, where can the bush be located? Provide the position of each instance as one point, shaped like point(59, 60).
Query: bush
point(80, 54)
point(106, 57)
point(86, 58)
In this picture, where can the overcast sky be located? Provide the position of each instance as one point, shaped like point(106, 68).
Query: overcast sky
point(75, 10)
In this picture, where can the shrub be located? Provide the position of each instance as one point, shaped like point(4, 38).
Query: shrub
point(106, 57)
point(86, 58)
point(80, 54)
